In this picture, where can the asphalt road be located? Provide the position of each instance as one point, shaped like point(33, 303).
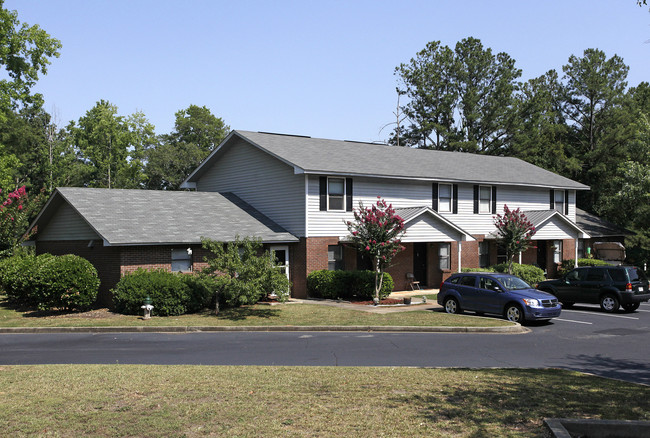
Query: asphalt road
point(583, 339)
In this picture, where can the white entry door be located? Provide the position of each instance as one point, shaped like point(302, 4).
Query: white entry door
point(281, 254)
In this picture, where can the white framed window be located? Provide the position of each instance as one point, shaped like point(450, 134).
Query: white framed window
point(336, 194)
point(444, 198)
point(581, 249)
point(485, 199)
point(483, 254)
point(557, 251)
point(335, 257)
point(559, 201)
point(444, 256)
point(182, 260)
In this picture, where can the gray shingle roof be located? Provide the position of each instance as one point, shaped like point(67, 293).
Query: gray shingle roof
point(598, 227)
point(316, 155)
point(136, 217)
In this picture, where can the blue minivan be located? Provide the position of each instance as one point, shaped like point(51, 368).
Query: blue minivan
point(501, 294)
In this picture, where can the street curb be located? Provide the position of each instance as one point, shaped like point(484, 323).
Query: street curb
point(514, 329)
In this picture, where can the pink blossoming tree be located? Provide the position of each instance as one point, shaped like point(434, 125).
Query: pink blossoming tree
point(15, 211)
point(515, 232)
point(377, 231)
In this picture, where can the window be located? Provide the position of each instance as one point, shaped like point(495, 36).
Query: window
point(335, 257)
point(596, 274)
point(557, 251)
point(444, 198)
point(502, 256)
point(483, 254)
point(489, 284)
point(559, 201)
point(485, 199)
point(336, 193)
point(182, 260)
point(444, 256)
point(468, 281)
point(581, 248)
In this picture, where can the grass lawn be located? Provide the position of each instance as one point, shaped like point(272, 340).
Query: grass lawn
point(257, 315)
point(193, 401)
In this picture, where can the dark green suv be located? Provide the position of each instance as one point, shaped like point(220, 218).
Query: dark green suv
point(609, 286)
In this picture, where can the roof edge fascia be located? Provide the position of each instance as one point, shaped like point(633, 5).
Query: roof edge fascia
point(412, 178)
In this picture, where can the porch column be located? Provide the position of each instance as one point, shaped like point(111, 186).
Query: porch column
point(575, 258)
point(520, 257)
point(460, 247)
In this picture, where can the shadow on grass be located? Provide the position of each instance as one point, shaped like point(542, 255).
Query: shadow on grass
point(243, 313)
point(510, 402)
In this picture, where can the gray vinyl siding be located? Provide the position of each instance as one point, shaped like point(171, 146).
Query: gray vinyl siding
point(66, 224)
point(266, 183)
point(405, 193)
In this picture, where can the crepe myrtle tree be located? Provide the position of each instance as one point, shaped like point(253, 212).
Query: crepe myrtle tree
point(16, 207)
point(377, 231)
point(514, 232)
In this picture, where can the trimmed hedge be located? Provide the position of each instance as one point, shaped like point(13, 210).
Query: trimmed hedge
point(529, 273)
point(169, 294)
point(347, 284)
point(49, 282)
point(567, 265)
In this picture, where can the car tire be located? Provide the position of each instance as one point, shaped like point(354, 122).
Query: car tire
point(514, 313)
point(452, 306)
point(631, 307)
point(609, 303)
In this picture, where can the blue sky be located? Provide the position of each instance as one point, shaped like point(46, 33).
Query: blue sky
point(323, 69)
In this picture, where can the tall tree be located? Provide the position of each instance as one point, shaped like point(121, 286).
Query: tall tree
point(102, 140)
point(25, 52)
point(594, 91)
point(197, 132)
point(460, 99)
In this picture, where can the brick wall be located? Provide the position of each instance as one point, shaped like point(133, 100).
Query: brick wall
point(401, 264)
point(106, 259)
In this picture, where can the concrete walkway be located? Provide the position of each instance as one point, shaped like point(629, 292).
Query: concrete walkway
point(416, 303)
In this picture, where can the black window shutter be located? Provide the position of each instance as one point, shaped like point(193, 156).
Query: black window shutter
point(475, 199)
point(322, 182)
point(455, 201)
point(348, 194)
point(494, 199)
point(566, 202)
point(552, 200)
point(434, 196)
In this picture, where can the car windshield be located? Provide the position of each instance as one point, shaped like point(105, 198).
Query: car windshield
point(514, 283)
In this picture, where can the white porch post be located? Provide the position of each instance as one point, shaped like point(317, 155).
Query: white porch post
point(575, 263)
point(520, 257)
point(460, 246)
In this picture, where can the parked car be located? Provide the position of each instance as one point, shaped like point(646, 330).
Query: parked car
point(609, 286)
point(501, 294)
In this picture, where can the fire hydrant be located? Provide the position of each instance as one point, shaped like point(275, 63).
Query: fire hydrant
point(147, 308)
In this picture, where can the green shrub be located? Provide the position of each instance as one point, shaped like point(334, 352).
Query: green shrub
point(529, 273)
point(347, 284)
point(169, 293)
point(569, 264)
point(17, 278)
point(65, 282)
point(477, 270)
point(202, 291)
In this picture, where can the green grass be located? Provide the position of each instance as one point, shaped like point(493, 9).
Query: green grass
point(257, 315)
point(192, 401)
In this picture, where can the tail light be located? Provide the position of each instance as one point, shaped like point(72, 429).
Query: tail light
point(628, 287)
point(441, 283)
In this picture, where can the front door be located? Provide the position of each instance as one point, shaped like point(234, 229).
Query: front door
point(541, 255)
point(281, 257)
point(420, 262)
